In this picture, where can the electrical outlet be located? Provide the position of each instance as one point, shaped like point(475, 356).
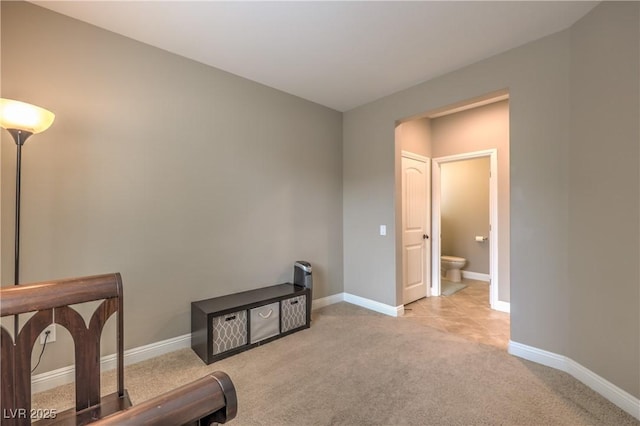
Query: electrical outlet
point(52, 334)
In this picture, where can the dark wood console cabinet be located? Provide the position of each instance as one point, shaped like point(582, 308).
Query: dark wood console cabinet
point(226, 325)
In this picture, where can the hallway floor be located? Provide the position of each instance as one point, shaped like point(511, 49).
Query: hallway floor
point(465, 313)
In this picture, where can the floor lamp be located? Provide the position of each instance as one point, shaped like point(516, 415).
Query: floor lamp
point(21, 120)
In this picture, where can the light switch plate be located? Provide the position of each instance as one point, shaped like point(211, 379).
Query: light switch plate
point(383, 229)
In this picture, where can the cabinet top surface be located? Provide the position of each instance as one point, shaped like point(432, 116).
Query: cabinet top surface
point(245, 298)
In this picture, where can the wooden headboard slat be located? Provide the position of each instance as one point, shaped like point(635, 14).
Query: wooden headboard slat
point(53, 294)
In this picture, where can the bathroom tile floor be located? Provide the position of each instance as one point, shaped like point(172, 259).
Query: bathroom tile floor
point(465, 313)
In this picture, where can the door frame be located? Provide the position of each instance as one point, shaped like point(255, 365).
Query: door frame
point(428, 247)
point(436, 229)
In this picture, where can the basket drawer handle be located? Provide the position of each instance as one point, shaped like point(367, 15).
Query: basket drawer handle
point(265, 316)
point(294, 302)
point(231, 318)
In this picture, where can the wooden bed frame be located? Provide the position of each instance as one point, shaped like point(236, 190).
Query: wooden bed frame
point(211, 399)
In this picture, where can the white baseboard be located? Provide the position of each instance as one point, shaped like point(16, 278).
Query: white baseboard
point(502, 306)
point(326, 301)
point(393, 311)
point(64, 375)
point(51, 379)
point(470, 275)
point(540, 356)
point(619, 397)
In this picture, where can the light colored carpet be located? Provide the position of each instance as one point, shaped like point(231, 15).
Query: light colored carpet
point(357, 367)
point(449, 288)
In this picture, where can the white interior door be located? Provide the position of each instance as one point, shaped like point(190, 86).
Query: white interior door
point(416, 246)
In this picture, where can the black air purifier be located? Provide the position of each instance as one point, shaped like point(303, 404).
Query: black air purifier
point(302, 277)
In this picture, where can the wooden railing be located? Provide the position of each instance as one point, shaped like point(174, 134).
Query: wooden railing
point(212, 398)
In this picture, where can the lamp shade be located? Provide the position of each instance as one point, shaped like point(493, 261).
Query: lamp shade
point(22, 116)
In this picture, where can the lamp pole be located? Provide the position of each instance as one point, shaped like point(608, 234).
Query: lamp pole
point(19, 136)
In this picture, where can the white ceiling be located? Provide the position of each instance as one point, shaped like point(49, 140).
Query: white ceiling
point(338, 54)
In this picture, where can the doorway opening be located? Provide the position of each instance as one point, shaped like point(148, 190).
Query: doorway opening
point(477, 129)
point(460, 219)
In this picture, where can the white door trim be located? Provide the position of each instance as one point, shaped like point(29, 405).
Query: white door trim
point(415, 156)
point(427, 262)
point(493, 218)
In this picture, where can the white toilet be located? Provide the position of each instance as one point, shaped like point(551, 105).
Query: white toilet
point(451, 266)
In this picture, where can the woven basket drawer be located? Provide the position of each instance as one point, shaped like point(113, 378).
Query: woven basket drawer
point(229, 331)
point(265, 322)
point(294, 312)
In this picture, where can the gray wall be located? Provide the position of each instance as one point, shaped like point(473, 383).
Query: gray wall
point(546, 310)
point(464, 212)
point(190, 181)
point(604, 312)
point(477, 129)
